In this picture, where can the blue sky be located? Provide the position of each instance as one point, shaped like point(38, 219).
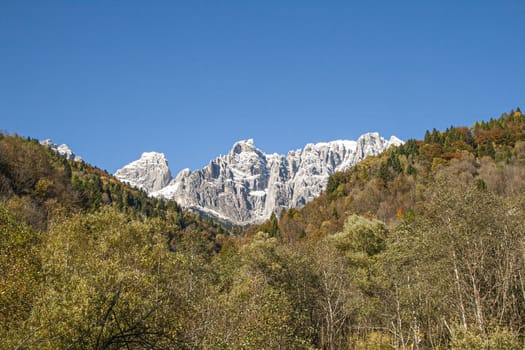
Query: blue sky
point(189, 78)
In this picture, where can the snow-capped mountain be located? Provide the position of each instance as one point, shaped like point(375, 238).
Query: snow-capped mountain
point(247, 185)
point(150, 172)
point(62, 149)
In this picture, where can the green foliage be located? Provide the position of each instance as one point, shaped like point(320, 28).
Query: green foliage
point(107, 284)
point(374, 341)
point(497, 339)
point(409, 148)
point(452, 262)
point(271, 226)
point(420, 247)
point(20, 277)
point(335, 184)
point(361, 235)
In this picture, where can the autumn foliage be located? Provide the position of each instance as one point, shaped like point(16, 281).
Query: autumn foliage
point(420, 247)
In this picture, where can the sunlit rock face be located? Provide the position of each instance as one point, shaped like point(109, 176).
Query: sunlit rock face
point(150, 172)
point(247, 185)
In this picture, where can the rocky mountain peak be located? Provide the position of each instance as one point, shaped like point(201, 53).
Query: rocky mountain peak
point(62, 149)
point(247, 185)
point(243, 146)
point(150, 172)
point(395, 141)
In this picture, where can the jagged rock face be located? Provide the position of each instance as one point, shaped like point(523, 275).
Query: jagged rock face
point(62, 149)
point(150, 172)
point(246, 186)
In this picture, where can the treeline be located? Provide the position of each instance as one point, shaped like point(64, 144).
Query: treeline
point(388, 186)
point(418, 248)
point(37, 184)
point(450, 277)
point(34, 176)
point(453, 208)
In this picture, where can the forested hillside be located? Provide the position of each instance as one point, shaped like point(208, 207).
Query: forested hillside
point(421, 247)
point(37, 185)
point(490, 155)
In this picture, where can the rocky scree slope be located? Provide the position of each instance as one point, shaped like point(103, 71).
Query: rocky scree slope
point(247, 185)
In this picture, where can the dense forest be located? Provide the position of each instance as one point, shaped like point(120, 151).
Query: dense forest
point(421, 247)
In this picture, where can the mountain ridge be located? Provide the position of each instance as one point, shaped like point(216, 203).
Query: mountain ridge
point(61, 149)
point(247, 185)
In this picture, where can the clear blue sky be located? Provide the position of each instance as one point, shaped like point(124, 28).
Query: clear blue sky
point(188, 78)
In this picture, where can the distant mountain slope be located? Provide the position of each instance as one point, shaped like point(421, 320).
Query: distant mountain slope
point(489, 155)
point(40, 181)
point(62, 149)
point(247, 185)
